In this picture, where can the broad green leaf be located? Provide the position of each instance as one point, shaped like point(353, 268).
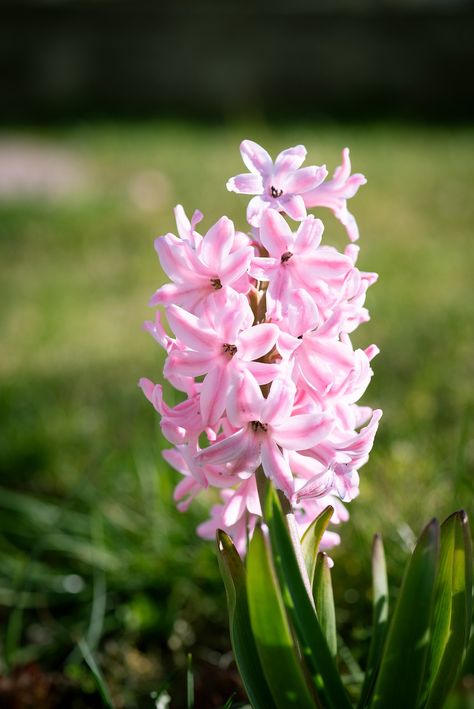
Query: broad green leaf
point(276, 648)
point(379, 618)
point(452, 610)
point(403, 663)
point(312, 641)
point(324, 599)
point(243, 643)
point(311, 540)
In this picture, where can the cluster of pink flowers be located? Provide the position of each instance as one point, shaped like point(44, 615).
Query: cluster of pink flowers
point(261, 348)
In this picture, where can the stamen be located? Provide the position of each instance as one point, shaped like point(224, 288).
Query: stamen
point(275, 193)
point(258, 426)
point(215, 283)
point(229, 349)
point(286, 256)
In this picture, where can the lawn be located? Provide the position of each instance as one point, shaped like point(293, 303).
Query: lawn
point(91, 545)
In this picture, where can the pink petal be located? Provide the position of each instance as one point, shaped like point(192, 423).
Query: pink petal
point(189, 329)
point(189, 363)
point(234, 509)
point(263, 269)
point(217, 243)
point(275, 234)
point(235, 265)
point(228, 449)
point(174, 257)
point(215, 389)
point(257, 341)
point(289, 160)
point(303, 431)
point(279, 403)
point(256, 158)
point(180, 294)
point(256, 207)
point(247, 183)
point(276, 467)
point(295, 208)
point(245, 399)
point(308, 236)
point(325, 264)
point(305, 179)
point(262, 372)
point(302, 312)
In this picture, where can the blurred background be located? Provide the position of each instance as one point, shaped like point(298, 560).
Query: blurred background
point(111, 113)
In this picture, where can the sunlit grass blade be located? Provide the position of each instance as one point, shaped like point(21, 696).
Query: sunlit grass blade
point(243, 643)
point(98, 676)
point(401, 672)
point(324, 599)
point(313, 643)
point(379, 617)
point(452, 611)
point(272, 632)
point(311, 540)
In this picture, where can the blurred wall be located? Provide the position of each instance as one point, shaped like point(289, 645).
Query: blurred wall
point(221, 58)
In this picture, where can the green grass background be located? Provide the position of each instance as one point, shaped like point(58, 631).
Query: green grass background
point(90, 543)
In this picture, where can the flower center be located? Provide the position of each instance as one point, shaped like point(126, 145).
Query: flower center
point(229, 349)
point(258, 426)
point(275, 193)
point(286, 256)
point(216, 283)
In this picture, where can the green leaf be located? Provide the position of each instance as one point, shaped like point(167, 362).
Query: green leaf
point(275, 645)
point(98, 676)
point(313, 643)
point(311, 540)
point(379, 618)
point(401, 672)
point(452, 610)
point(324, 599)
point(243, 643)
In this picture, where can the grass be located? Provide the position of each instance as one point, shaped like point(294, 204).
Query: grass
point(91, 547)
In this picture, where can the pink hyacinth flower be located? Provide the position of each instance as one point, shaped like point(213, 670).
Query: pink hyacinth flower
point(218, 344)
point(200, 271)
point(335, 192)
point(266, 429)
point(279, 185)
point(295, 260)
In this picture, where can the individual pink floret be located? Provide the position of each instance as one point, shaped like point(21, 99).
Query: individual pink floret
point(295, 260)
point(219, 344)
point(266, 429)
point(201, 269)
point(335, 192)
point(279, 185)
